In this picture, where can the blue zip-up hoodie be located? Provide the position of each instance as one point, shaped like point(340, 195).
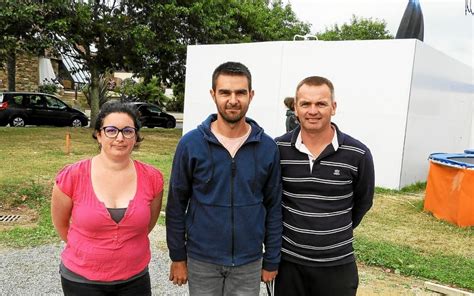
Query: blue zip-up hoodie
point(221, 209)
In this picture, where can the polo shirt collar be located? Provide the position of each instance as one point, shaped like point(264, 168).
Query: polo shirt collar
point(302, 148)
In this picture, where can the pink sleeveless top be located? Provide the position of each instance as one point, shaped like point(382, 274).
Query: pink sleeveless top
point(98, 248)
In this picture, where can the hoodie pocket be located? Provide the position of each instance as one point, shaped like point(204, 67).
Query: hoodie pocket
point(209, 231)
point(249, 224)
point(191, 215)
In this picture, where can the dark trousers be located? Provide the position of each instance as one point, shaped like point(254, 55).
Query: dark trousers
point(301, 280)
point(136, 287)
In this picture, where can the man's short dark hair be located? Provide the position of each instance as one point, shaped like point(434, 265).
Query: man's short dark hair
point(315, 81)
point(231, 68)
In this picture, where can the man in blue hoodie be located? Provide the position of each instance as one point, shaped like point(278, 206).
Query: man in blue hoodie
point(224, 200)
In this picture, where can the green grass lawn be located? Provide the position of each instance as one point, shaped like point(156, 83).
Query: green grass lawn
point(37, 154)
point(396, 234)
point(31, 157)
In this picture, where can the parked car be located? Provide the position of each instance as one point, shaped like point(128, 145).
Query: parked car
point(151, 115)
point(22, 108)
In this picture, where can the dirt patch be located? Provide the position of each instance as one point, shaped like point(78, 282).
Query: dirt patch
point(27, 217)
point(379, 281)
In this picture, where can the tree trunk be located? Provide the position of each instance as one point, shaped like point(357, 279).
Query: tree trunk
point(11, 70)
point(94, 95)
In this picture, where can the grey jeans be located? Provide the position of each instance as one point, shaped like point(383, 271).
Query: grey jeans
point(211, 279)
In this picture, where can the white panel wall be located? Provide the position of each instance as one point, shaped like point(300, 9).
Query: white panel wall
point(440, 111)
point(372, 84)
point(372, 80)
point(264, 62)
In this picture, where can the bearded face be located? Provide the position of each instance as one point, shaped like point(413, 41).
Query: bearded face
point(232, 97)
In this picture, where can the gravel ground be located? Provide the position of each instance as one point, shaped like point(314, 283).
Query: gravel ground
point(34, 271)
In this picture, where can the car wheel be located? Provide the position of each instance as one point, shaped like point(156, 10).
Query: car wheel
point(76, 122)
point(17, 121)
point(170, 124)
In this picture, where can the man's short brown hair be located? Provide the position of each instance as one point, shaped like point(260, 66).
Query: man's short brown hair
point(315, 81)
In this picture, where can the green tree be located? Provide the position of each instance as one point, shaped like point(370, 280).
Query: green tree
point(234, 21)
point(20, 25)
point(177, 24)
point(150, 38)
point(359, 28)
point(102, 36)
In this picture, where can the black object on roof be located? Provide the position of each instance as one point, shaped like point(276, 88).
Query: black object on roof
point(411, 25)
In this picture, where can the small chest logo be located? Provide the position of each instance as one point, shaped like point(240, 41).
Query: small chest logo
point(337, 173)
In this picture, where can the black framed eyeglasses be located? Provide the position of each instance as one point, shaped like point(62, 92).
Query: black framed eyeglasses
point(113, 131)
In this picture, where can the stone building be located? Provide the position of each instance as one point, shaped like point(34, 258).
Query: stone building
point(33, 71)
point(27, 74)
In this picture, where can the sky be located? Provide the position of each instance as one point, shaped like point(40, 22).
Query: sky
point(446, 27)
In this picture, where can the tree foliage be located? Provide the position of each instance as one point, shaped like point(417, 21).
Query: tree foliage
point(99, 35)
point(177, 24)
point(20, 26)
point(151, 91)
point(148, 38)
point(358, 28)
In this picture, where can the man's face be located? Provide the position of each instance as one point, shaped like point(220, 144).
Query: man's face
point(314, 108)
point(232, 97)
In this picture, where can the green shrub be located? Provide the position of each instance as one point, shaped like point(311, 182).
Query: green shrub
point(150, 92)
point(48, 88)
point(177, 103)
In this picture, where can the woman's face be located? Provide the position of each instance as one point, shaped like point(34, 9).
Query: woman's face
point(117, 135)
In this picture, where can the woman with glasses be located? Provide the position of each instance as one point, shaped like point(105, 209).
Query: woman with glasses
point(104, 208)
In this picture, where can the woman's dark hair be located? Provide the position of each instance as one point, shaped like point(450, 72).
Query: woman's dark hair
point(117, 107)
point(289, 103)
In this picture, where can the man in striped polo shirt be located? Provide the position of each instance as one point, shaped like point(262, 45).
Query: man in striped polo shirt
point(328, 186)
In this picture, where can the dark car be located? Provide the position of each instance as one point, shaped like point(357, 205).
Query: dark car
point(22, 108)
point(151, 115)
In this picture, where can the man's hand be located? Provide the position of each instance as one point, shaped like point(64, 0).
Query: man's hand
point(179, 273)
point(268, 276)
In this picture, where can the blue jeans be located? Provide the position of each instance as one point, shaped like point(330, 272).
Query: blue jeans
point(211, 279)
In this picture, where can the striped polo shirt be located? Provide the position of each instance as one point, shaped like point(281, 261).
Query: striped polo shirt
point(325, 200)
